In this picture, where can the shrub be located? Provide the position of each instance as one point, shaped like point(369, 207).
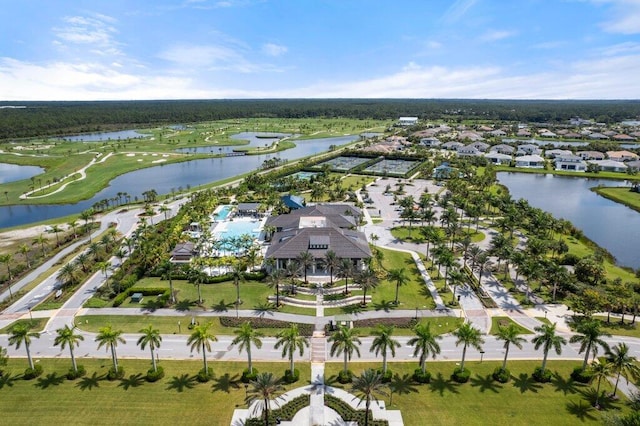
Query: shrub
point(581, 376)
point(421, 377)
point(154, 376)
point(345, 377)
point(114, 374)
point(305, 329)
point(540, 376)
point(348, 414)
point(396, 322)
point(501, 375)
point(32, 373)
point(291, 377)
point(73, 374)
point(248, 376)
point(461, 375)
point(204, 377)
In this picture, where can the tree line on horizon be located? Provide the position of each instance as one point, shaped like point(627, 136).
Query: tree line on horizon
point(59, 118)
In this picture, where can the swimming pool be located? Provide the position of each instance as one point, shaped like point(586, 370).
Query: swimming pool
point(231, 235)
point(223, 212)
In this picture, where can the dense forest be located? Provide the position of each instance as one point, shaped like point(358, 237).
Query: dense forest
point(63, 118)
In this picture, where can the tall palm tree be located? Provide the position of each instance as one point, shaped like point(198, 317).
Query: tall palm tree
point(68, 274)
point(24, 251)
point(245, 337)
point(290, 340)
point(345, 270)
point(345, 341)
point(368, 280)
point(623, 364)
point(56, 230)
point(399, 275)
point(237, 274)
point(275, 277)
point(292, 271)
point(21, 333)
point(368, 386)
point(468, 335)
point(590, 337)
point(599, 371)
point(331, 262)
point(201, 338)
point(67, 336)
point(510, 335)
point(42, 240)
point(425, 343)
point(73, 224)
point(383, 343)
point(265, 387)
point(107, 336)
point(305, 260)
point(6, 259)
point(196, 277)
point(548, 339)
point(150, 336)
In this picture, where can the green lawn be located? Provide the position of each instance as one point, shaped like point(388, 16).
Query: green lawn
point(504, 322)
point(412, 233)
point(484, 402)
point(176, 399)
point(36, 324)
point(614, 326)
point(439, 325)
point(620, 195)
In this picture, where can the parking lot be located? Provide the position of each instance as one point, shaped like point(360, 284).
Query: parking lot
point(382, 205)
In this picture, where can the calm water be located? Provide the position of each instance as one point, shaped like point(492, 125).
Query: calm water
point(104, 136)
point(14, 172)
point(611, 225)
point(166, 177)
point(264, 140)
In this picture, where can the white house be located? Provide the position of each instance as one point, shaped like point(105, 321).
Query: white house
point(555, 153)
point(430, 142)
point(530, 161)
point(610, 165)
point(529, 149)
point(452, 146)
point(570, 162)
point(408, 121)
point(468, 151)
point(498, 158)
point(503, 149)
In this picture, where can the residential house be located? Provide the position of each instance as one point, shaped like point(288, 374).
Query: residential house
point(530, 161)
point(528, 149)
point(591, 155)
point(468, 151)
point(553, 153)
point(183, 253)
point(598, 136)
point(547, 134)
point(408, 121)
point(524, 133)
point(498, 133)
point(430, 142)
point(498, 158)
point(570, 162)
point(503, 149)
point(470, 136)
point(480, 146)
point(624, 138)
point(609, 165)
point(634, 165)
point(452, 146)
point(621, 156)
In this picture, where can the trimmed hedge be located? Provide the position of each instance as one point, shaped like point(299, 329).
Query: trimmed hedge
point(32, 373)
point(501, 375)
point(396, 322)
point(420, 377)
point(345, 377)
point(386, 377)
point(287, 412)
point(461, 376)
point(72, 374)
point(203, 377)
point(581, 376)
point(146, 291)
point(154, 376)
point(291, 377)
point(305, 329)
point(247, 376)
point(114, 374)
point(348, 414)
point(540, 376)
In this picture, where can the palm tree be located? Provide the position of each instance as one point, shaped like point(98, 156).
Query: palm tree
point(274, 279)
point(196, 277)
point(107, 336)
point(367, 280)
point(510, 335)
point(345, 270)
point(548, 339)
point(331, 262)
point(201, 338)
point(623, 364)
point(24, 251)
point(398, 275)
point(73, 224)
point(345, 341)
point(383, 343)
point(290, 340)
point(21, 333)
point(150, 336)
point(599, 371)
point(6, 259)
point(42, 240)
point(590, 337)
point(68, 336)
point(68, 274)
point(265, 387)
point(292, 271)
point(237, 274)
point(305, 260)
point(367, 386)
point(56, 229)
point(425, 343)
point(468, 335)
point(245, 337)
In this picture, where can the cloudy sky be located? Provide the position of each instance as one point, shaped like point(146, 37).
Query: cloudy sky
point(184, 49)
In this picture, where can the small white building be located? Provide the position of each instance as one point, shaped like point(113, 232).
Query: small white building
point(530, 161)
point(498, 158)
point(570, 162)
point(408, 121)
point(609, 165)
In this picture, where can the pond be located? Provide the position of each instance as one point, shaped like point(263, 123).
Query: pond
point(14, 172)
point(256, 140)
point(167, 177)
point(611, 225)
point(104, 136)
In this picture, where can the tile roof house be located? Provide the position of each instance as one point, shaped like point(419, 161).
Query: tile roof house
point(317, 230)
point(293, 202)
point(624, 138)
point(468, 151)
point(591, 155)
point(570, 162)
point(183, 252)
point(498, 158)
point(598, 136)
point(622, 155)
point(503, 149)
point(529, 149)
point(635, 165)
point(470, 136)
point(524, 133)
point(430, 141)
point(452, 146)
point(553, 153)
point(609, 165)
point(530, 161)
point(480, 146)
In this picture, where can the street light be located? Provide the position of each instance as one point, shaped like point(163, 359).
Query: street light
point(481, 356)
point(416, 312)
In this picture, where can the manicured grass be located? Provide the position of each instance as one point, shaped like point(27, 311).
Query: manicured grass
point(166, 324)
point(622, 195)
point(614, 326)
point(216, 296)
point(504, 322)
point(176, 399)
point(412, 233)
point(287, 309)
point(36, 324)
point(599, 175)
point(582, 249)
point(439, 325)
point(482, 401)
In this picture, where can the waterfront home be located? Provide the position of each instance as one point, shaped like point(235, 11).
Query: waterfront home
point(547, 134)
point(503, 149)
point(634, 165)
point(598, 136)
point(498, 158)
point(553, 153)
point(621, 156)
point(498, 133)
point(623, 138)
point(523, 133)
point(528, 149)
point(570, 162)
point(480, 146)
point(470, 136)
point(591, 155)
point(572, 135)
point(530, 161)
point(609, 165)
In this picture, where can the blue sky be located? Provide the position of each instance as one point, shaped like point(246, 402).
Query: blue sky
point(184, 49)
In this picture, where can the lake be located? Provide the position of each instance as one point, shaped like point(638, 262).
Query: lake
point(256, 140)
point(14, 172)
point(104, 136)
point(611, 225)
point(164, 178)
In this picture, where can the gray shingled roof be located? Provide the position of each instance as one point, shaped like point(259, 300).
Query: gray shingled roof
point(335, 214)
point(345, 243)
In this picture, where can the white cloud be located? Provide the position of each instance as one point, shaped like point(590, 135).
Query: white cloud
point(95, 31)
point(272, 49)
point(495, 35)
point(626, 16)
point(457, 10)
